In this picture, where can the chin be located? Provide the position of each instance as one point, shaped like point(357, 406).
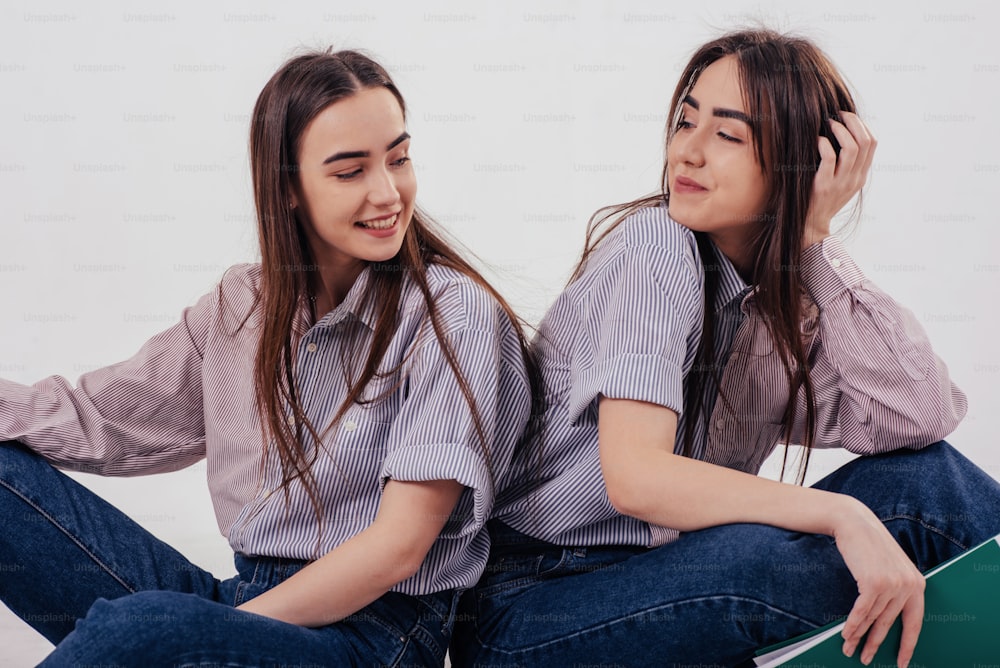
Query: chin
point(682, 219)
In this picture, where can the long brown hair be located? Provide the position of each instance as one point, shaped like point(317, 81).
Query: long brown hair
point(790, 90)
point(295, 94)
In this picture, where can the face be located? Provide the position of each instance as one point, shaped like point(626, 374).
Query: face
point(716, 183)
point(356, 183)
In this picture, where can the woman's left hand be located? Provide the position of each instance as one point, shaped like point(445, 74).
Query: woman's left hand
point(839, 177)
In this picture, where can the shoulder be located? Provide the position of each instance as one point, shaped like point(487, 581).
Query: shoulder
point(241, 278)
point(653, 226)
point(461, 301)
point(238, 291)
point(647, 240)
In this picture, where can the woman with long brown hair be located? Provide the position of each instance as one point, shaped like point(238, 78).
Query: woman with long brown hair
point(357, 395)
point(704, 325)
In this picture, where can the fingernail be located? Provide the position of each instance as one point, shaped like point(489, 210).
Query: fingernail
point(866, 658)
point(848, 649)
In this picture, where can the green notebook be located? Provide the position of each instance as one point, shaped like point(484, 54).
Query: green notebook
point(961, 623)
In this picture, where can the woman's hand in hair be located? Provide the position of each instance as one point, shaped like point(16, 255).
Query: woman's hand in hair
point(840, 176)
point(889, 585)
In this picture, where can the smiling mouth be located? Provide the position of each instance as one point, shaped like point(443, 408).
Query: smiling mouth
point(687, 185)
point(380, 224)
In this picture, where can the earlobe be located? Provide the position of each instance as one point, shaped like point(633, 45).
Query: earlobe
point(293, 201)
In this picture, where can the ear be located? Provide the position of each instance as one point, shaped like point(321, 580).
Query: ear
point(294, 199)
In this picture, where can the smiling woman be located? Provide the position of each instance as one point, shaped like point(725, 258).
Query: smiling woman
point(358, 201)
point(354, 511)
point(705, 325)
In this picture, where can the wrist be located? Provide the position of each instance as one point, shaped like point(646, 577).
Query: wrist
point(847, 514)
point(813, 237)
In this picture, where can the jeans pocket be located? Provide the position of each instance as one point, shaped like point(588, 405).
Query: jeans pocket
point(508, 573)
point(246, 591)
point(555, 564)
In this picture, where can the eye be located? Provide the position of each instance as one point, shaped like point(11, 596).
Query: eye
point(684, 124)
point(730, 138)
point(347, 176)
point(401, 161)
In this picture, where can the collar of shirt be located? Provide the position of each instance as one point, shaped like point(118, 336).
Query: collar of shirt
point(351, 306)
point(734, 290)
point(731, 286)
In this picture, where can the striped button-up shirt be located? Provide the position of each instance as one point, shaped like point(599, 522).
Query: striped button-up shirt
point(188, 394)
point(629, 327)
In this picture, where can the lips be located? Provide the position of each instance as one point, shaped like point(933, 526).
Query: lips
point(383, 223)
point(686, 185)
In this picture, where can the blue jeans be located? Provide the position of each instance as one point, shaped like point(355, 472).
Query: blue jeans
point(714, 596)
point(107, 592)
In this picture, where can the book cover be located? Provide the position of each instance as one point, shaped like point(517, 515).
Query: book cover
point(961, 626)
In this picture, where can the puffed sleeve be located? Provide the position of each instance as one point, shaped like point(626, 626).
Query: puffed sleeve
point(638, 319)
point(879, 385)
point(140, 416)
point(433, 437)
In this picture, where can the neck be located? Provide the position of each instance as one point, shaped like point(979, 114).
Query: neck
point(737, 250)
point(331, 285)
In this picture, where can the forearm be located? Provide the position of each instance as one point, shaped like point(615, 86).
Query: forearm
point(688, 495)
point(645, 480)
point(358, 571)
point(343, 581)
point(100, 427)
point(874, 369)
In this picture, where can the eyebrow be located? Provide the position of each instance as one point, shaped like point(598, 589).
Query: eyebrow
point(720, 112)
point(346, 155)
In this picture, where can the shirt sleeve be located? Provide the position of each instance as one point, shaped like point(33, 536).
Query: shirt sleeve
point(434, 435)
point(140, 416)
point(878, 384)
point(638, 321)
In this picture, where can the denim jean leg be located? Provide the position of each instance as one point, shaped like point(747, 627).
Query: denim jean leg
point(160, 628)
point(62, 547)
point(712, 596)
point(934, 501)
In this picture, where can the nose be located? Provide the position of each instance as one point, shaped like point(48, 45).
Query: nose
point(382, 190)
point(687, 147)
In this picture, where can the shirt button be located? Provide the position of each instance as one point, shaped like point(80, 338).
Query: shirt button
point(720, 423)
point(835, 262)
point(291, 420)
point(311, 348)
point(350, 425)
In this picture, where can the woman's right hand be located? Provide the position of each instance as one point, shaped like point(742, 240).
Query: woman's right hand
point(889, 585)
point(840, 176)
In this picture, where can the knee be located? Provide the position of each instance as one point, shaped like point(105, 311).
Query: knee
point(16, 460)
point(131, 627)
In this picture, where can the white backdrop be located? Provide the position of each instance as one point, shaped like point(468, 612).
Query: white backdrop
point(124, 186)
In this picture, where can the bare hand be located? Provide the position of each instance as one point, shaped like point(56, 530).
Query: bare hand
point(888, 585)
point(838, 178)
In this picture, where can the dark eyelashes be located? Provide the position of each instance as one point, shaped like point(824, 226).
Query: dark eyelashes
point(357, 172)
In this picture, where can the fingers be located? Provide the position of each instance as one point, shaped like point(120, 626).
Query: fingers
point(865, 139)
point(878, 632)
point(865, 612)
point(874, 615)
point(913, 619)
point(857, 148)
point(827, 161)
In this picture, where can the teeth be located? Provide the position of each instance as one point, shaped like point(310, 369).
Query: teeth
point(383, 224)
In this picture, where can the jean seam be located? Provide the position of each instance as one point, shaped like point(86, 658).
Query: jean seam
point(86, 550)
point(505, 587)
point(604, 625)
point(929, 527)
point(402, 652)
